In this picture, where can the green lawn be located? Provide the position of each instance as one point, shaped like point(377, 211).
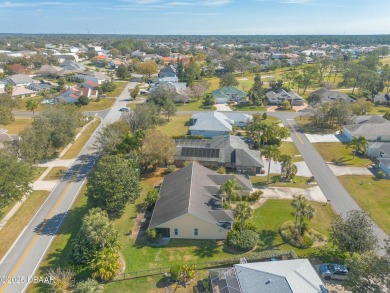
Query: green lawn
point(194, 106)
point(248, 107)
point(275, 212)
point(339, 153)
point(372, 195)
point(55, 173)
point(305, 123)
point(18, 125)
point(38, 172)
point(379, 110)
point(120, 86)
point(78, 145)
point(261, 181)
point(289, 148)
point(177, 126)
point(94, 105)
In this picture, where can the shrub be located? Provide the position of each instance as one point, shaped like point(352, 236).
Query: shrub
point(381, 174)
point(175, 273)
point(221, 170)
point(152, 197)
point(244, 241)
point(170, 169)
point(291, 236)
point(265, 116)
point(255, 196)
point(247, 226)
point(153, 235)
point(206, 285)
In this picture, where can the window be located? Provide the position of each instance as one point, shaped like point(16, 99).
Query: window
point(196, 232)
point(176, 231)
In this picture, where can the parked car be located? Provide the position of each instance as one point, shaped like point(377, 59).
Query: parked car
point(333, 271)
point(124, 109)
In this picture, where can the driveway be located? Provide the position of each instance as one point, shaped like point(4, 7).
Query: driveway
point(222, 107)
point(276, 168)
point(345, 170)
point(313, 138)
point(313, 193)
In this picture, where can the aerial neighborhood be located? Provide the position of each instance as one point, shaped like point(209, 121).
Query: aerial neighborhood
point(195, 164)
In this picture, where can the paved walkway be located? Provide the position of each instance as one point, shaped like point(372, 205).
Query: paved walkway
point(312, 193)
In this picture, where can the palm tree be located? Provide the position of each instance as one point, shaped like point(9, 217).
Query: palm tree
point(242, 213)
point(297, 203)
point(302, 210)
point(307, 212)
point(359, 144)
point(270, 152)
point(31, 105)
point(285, 161)
point(8, 89)
point(231, 189)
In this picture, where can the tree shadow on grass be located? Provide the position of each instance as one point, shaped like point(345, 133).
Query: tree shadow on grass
point(267, 237)
point(207, 250)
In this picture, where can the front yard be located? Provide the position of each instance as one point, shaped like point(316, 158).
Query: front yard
point(18, 125)
point(305, 123)
point(298, 182)
point(289, 148)
point(178, 125)
point(338, 153)
point(372, 195)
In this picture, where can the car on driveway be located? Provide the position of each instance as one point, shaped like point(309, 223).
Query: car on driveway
point(124, 109)
point(333, 271)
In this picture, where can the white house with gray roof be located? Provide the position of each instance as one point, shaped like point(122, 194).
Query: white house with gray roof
point(373, 128)
point(18, 80)
point(229, 93)
point(330, 96)
point(215, 123)
point(284, 276)
point(231, 152)
point(281, 96)
point(188, 206)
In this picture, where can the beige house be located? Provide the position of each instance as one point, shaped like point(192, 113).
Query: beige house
point(189, 207)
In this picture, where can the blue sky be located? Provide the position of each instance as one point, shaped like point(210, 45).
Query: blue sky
point(196, 16)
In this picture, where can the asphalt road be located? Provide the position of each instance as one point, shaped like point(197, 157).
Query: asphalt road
point(334, 191)
point(19, 265)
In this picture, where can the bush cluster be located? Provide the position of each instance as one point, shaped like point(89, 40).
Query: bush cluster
point(153, 235)
point(255, 196)
point(291, 235)
point(244, 241)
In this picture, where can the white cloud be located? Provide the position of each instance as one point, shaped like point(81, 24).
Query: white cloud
point(216, 2)
point(34, 4)
point(180, 3)
point(297, 1)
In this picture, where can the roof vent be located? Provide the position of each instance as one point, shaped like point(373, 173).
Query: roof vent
point(268, 282)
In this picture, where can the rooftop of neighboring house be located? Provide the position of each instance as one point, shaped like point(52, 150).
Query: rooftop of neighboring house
point(382, 146)
point(384, 161)
point(192, 190)
point(282, 95)
point(381, 98)
point(18, 79)
point(217, 121)
point(49, 69)
point(223, 149)
point(368, 119)
point(72, 65)
point(228, 91)
point(328, 95)
point(287, 276)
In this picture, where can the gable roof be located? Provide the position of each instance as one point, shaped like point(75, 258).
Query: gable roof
point(191, 190)
point(18, 79)
point(328, 95)
point(282, 95)
point(369, 129)
point(295, 276)
point(384, 161)
point(229, 92)
point(384, 147)
point(373, 119)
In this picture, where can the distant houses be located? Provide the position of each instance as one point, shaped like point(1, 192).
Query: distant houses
point(18, 80)
point(229, 94)
point(281, 96)
point(211, 124)
point(188, 206)
point(329, 96)
point(231, 152)
point(382, 99)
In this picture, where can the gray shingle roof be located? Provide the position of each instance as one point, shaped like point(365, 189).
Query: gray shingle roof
point(279, 97)
point(211, 121)
point(328, 96)
point(191, 190)
point(369, 129)
point(384, 161)
point(295, 276)
point(18, 79)
point(229, 92)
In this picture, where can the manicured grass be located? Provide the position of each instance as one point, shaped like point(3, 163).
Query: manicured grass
point(38, 172)
point(261, 181)
point(177, 126)
point(305, 123)
point(120, 86)
point(379, 110)
point(194, 106)
point(289, 148)
point(78, 145)
point(372, 195)
point(214, 83)
point(338, 152)
point(102, 104)
point(22, 104)
point(20, 219)
point(55, 173)
point(275, 212)
point(60, 251)
point(18, 125)
point(248, 107)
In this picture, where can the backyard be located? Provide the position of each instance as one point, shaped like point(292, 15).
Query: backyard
point(372, 195)
point(338, 153)
point(177, 126)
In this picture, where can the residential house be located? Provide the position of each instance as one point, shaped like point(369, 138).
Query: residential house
point(72, 66)
point(178, 87)
point(373, 128)
point(167, 71)
point(229, 94)
point(6, 138)
point(37, 87)
point(278, 98)
point(114, 63)
point(138, 54)
point(188, 206)
point(382, 99)
point(96, 77)
point(384, 165)
point(49, 70)
point(72, 95)
point(329, 96)
point(20, 92)
point(89, 84)
point(18, 80)
point(231, 152)
point(287, 276)
point(211, 124)
point(379, 149)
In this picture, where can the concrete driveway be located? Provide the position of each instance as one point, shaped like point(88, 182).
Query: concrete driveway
point(222, 107)
point(313, 193)
point(313, 138)
point(303, 169)
point(345, 170)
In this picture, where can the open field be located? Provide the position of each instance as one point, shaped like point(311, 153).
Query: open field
point(78, 145)
point(177, 126)
point(340, 154)
point(372, 195)
point(20, 219)
point(18, 125)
